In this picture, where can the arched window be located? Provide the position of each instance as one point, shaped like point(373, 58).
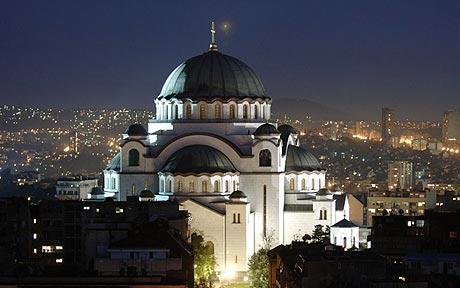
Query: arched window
point(203, 111)
point(176, 112)
point(162, 185)
point(245, 111)
point(265, 158)
point(323, 214)
point(188, 111)
point(256, 112)
point(170, 185)
point(319, 184)
point(217, 111)
point(234, 185)
point(263, 112)
point(133, 157)
point(204, 186)
point(231, 113)
point(179, 186)
point(226, 185)
point(133, 189)
point(167, 112)
point(303, 184)
point(291, 184)
point(191, 186)
point(312, 184)
point(216, 186)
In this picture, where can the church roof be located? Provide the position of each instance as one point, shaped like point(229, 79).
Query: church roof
point(344, 223)
point(340, 201)
point(287, 129)
point(198, 159)
point(210, 76)
point(136, 130)
point(266, 129)
point(114, 164)
point(299, 159)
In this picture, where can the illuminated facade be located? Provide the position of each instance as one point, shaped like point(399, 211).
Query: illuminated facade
point(451, 130)
point(212, 138)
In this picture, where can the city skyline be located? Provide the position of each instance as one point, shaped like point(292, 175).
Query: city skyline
point(353, 58)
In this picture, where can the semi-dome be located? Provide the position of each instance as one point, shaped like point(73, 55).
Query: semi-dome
point(266, 129)
point(299, 159)
point(136, 130)
point(198, 159)
point(212, 75)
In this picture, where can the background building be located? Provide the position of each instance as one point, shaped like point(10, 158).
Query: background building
point(387, 124)
point(74, 188)
point(451, 129)
point(400, 175)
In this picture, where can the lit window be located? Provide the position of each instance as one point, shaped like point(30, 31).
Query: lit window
point(86, 208)
point(291, 184)
point(232, 113)
point(59, 260)
point(118, 210)
point(35, 220)
point(35, 235)
point(35, 250)
point(203, 111)
point(217, 111)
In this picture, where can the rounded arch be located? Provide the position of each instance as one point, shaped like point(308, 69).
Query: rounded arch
point(214, 141)
point(265, 158)
point(133, 157)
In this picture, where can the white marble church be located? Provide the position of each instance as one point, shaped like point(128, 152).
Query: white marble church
point(213, 147)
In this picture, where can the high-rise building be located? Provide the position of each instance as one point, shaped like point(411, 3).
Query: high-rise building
point(387, 124)
point(400, 175)
point(451, 128)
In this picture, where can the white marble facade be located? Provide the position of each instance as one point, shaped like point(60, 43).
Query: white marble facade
point(213, 135)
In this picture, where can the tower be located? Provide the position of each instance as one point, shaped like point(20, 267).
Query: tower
point(387, 125)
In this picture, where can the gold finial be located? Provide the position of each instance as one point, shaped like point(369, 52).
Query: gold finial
point(213, 45)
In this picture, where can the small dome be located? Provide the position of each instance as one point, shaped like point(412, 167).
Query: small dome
point(114, 164)
point(146, 194)
point(237, 195)
point(287, 129)
point(136, 130)
point(212, 75)
point(96, 191)
point(198, 159)
point(266, 129)
point(323, 192)
point(299, 159)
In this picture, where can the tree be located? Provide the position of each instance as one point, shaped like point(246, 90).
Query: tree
point(203, 253)
point(320, 235)
point(259, 265)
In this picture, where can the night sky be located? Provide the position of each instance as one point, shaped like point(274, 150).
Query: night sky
point(356, 56)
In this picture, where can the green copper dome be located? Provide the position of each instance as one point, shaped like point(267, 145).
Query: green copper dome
point(212, 75)
point(198, 159)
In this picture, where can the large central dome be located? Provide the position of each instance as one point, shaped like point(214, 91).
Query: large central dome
point(212, 75)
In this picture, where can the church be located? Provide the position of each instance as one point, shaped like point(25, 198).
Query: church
point(213, 146)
